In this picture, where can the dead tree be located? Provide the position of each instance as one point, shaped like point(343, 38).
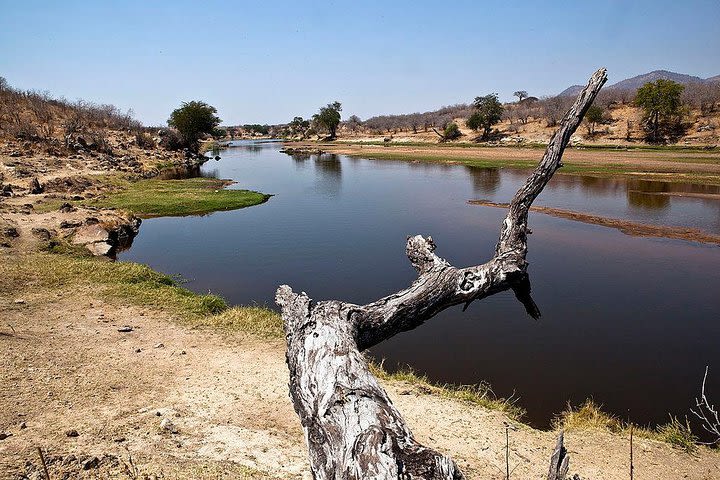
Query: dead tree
point(352, 429)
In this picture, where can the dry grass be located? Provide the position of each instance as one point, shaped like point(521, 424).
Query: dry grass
point(590, 416)
point(480, 394)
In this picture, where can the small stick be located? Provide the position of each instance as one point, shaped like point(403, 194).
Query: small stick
point(632, 467)
point(42, 461)
point(507, 452)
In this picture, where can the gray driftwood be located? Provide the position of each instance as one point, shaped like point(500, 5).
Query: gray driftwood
point(352, 429)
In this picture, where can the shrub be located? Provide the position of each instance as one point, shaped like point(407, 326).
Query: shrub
point(452, 131)
point(144, 141)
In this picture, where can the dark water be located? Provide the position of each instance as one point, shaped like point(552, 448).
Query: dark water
point(629, 321)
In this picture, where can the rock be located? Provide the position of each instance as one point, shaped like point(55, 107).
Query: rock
point(19, 301)
point(100, 249)
point(15, 154)
point(91, 234)
point(91, 221)
point(41, 233)
point(4, 435)
point(217, 157)
point(119, 439)
point(67, 208)
point(69, 224)
point(159, 345)
point(11, 232)
point(6, 191)
point(35, 187)
point(72, 433)
point(167, 425)
point(23, 425)
point(91, 462)
point(125, 328)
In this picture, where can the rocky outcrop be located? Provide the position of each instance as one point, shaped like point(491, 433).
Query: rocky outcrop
point(103, 240)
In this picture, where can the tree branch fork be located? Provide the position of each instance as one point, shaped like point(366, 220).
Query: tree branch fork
point(352, 429)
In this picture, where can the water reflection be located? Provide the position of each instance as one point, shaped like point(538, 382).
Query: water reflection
point(329, 174)
point(485, 180)
point(650, 201)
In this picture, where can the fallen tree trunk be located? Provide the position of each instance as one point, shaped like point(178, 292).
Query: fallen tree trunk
point(352, 429)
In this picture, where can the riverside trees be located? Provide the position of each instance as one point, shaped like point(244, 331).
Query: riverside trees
point(193, 120)
point(328, 119)
point(662, 109)
point(488, 112)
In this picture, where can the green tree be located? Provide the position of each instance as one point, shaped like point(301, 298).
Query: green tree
point(662, 107)
point(488, 112)
point(193, 120)
point(593, 116)
point(328, 118)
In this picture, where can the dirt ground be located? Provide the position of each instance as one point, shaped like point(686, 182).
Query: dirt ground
point(67, 370)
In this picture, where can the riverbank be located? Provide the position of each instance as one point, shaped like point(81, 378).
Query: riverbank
point(220, 381)
point(669, 164)
point(96, 201)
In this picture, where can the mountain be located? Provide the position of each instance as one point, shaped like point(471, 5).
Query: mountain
point(636, 82)
point(571, 91)
point(632, 84)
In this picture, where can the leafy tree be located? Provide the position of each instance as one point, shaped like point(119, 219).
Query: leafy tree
point(593, 116)
point(662, 106)
point(193, 120)
point(328, 118)
point(298, 126)
point(452, 131)
point(488, 112)
point(521, 94)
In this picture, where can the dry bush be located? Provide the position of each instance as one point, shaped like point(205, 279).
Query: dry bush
point(144, 141)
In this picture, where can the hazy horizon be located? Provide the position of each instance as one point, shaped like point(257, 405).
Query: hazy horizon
point(267, 64)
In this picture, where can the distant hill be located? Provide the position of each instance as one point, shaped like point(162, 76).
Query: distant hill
point(632, 84)
point(571, 91)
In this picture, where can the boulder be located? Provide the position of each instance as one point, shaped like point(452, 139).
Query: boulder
point(41, 233)
point(91, 234)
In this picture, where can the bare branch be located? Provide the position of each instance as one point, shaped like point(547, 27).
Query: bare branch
point(707, 413)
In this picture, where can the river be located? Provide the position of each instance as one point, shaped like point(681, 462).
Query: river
point(628, 321)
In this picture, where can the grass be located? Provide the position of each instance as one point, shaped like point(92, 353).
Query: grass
point(162, 198)
point(589, 415)
point(480, 394)
point(136, 284)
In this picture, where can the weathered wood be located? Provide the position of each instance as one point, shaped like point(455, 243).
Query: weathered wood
point(352, 429)
point(559, 461)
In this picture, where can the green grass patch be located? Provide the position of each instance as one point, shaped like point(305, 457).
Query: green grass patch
point(135, 284)
point(163, 198)
point(479, 394)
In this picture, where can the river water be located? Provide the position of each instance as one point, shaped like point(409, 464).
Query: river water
point(630, 322)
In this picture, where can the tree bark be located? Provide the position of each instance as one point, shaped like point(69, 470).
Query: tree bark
point(352, 429)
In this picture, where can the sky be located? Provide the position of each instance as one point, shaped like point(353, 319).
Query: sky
point(266, 62)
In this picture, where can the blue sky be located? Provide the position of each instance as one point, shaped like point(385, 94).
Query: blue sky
point(266, 62)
